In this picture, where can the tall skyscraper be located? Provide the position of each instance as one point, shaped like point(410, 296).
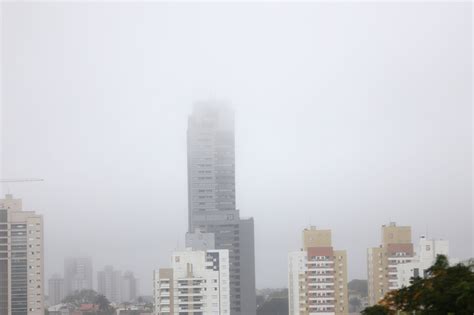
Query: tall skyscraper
point(197, 284)
point(382, 261)
point(55, 289)
point(21, 259)
point(317, 276)
point(77, 274)
point(212, 202)
point(109, 284)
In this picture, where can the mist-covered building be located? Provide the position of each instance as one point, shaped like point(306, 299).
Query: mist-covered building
point(212, 198)
point(129, 292)
point(21, 259)
point(55, 290)
point(109, 284)
point(77, 274)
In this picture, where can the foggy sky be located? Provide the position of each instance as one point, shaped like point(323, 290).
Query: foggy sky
point(347, 116)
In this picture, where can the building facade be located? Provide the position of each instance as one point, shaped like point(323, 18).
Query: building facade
point(55, 290)
point(129, 287)
point(77, 274)
point(109, 284)
point(427, 251)
point(21, 259)
point(212, 198)
point(383, 261)
point(317, 276)
point(196, 284)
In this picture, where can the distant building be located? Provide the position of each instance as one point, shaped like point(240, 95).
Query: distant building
point(109, 284)
point(428, 250)
point(129, 290)
point(55, 290)
point(21, 259)
point(382, 261)
point(197, 283)
point(212, 202)
point(317, 276)
point(200, 241)
point(77, 274)
point(59, 309)
point(274, 306)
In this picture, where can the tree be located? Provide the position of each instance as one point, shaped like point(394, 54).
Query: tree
point(445, 290)
point(81, 297)
point(103, 303)
point(376, 310)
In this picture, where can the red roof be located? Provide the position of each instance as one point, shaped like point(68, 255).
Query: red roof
point(88, 307)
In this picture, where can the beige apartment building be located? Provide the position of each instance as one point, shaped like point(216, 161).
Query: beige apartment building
point(382, 261)
point(21, 259)
point(317, 276)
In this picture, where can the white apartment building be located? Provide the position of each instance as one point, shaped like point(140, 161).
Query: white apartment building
point(197, 284)
point(77, 274)
point(109, 284)
point(55, 290)
point(428, 250)
point(21, 260)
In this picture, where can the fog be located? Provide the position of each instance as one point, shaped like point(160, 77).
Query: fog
point(348, 116)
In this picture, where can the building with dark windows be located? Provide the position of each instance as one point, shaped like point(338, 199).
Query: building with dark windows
point(21, 259)
point(212, 198)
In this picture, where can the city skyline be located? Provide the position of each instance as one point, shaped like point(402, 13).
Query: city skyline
point(335, 118)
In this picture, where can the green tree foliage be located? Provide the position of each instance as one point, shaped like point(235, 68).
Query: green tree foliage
point(81, 297)
point(445, 290)
point(90, 297)
point(103, 303)
point(376, 310)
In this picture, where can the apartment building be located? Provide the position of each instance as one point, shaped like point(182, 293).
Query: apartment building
point(55, 290)
point(197, 283)
point(383, 261)
point(77, 274)
point(109, 284)
point(317, 276)
point(21, 259)
point(426, 254)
